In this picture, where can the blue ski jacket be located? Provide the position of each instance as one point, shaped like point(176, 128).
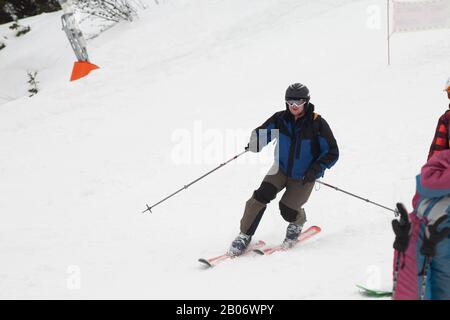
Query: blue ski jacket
point(302, 143)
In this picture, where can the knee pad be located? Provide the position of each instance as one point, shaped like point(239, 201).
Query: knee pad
point(288, 214)
point(291, 215)
point(265, 193)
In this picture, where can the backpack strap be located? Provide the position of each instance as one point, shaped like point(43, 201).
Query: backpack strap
point(315, 144)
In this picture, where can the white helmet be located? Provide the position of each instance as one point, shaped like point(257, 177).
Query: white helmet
point(447, 85)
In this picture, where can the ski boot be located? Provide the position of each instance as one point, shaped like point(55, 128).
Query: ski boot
point(292, 233)
point(239, 245)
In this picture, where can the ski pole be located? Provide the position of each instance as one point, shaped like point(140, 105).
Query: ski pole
point(149, 208)
point(356, 196)
point(424, 275)
point(396, 270)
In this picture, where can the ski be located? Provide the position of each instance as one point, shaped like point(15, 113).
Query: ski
point(305, 235)
point(212, 262)
point(372, 293)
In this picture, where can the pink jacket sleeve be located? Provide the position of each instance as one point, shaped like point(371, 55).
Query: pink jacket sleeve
point(435, 175)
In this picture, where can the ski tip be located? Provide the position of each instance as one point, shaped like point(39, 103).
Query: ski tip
point(373, 293)
point(259, 251)
point(317, 228)
point(361, 288)
point(205, 263)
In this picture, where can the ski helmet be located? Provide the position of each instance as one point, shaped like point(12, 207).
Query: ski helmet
point(447, 85)
point(297, 91)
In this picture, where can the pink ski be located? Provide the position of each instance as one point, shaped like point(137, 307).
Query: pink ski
point(305, 235)
point(216, 260)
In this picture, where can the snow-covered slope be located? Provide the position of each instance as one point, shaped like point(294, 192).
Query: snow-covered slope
point(79, 160)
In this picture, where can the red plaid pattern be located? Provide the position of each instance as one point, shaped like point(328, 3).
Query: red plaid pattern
point(441, 140)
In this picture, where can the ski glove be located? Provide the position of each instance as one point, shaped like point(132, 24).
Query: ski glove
point(401, 229)
point(430, 242)
point(311, 173)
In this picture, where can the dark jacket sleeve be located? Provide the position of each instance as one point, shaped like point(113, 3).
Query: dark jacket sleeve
point(329, 151)
point(262, 135)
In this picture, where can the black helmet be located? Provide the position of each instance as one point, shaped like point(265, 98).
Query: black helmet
point(297, 91)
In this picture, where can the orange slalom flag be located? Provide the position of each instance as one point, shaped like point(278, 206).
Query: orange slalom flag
point(82, 69)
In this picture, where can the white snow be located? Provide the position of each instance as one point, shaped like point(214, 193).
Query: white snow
point(79, 161)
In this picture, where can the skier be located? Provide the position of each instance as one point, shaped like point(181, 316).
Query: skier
point(441, 140)
point(305, 148)
point(422, 243)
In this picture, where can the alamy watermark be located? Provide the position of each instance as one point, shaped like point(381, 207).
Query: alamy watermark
point(373, 279)
point(73, 281)
point(210, 146)
point(373, 21)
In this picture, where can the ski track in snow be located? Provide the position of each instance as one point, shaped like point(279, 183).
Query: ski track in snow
point(79, 160)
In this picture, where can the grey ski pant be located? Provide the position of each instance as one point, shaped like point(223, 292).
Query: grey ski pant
point(291, 203)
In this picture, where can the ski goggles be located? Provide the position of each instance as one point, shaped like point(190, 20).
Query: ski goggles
point(296, 103)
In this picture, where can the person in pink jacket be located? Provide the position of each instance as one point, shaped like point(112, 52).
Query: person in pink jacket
point(422, 243)
point(441, 140)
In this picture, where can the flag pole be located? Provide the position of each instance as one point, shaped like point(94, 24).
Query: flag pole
point(388, 33)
